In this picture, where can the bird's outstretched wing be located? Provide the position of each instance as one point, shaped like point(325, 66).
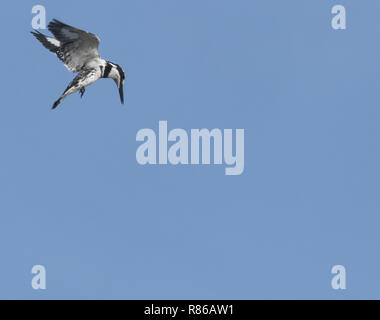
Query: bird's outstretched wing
point(74, 47)
point(50, 43)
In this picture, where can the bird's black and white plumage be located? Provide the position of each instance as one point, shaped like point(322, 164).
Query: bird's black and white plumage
point(78, 50)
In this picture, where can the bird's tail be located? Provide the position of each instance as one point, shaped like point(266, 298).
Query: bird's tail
point(55, 105)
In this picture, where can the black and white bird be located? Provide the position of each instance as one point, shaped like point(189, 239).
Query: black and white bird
point(78, 50)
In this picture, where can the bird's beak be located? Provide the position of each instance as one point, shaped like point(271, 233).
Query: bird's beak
point(121, 92)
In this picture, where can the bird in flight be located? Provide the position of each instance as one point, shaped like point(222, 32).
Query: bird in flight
point(78, 50)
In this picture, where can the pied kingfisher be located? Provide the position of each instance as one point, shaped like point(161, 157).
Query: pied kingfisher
point(78, 50)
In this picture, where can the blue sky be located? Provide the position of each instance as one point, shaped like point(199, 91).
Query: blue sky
point(74, 199)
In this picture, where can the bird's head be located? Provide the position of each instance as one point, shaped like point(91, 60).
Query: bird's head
point(115, 72)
